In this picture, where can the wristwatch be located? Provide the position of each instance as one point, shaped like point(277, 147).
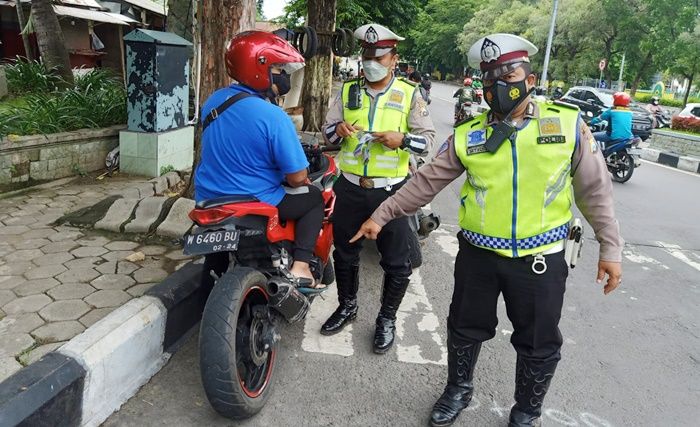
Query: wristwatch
point(405, 142)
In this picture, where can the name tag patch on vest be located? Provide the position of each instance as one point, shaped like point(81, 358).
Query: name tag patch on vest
point(550, 131)
point(395, 99)
point(554, 139)
point(476, 141)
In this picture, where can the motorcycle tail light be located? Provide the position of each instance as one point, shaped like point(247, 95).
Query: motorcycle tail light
point(209, 216)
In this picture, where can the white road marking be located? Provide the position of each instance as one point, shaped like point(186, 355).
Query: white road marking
point(416, 306)
point(677, 252)
point(506, 332)
point(638, 258)
point(670, 168)
point(339, 344)
point(447, 241)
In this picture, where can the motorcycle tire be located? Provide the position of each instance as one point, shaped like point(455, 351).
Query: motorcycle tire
point(415, 252)
point(350, 38)
point(339, 42)
point(623, 176)
point(226, 352)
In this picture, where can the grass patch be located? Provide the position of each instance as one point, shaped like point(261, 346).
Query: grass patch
point(96, 100)
point(681, 132)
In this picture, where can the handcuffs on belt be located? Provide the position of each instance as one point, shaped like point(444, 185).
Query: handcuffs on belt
point(572, 249)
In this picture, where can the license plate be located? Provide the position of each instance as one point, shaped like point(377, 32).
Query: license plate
point(211, 242)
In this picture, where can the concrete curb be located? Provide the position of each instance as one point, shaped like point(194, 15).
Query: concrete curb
point(92, 375)
point(686, 163)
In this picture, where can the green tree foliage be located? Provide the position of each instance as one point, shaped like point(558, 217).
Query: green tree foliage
point(687, 56)
point(434, 35)
point(398, 15)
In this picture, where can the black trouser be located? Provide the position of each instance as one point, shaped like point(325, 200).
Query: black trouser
point(353, 206)
point(533, 302)
point(306, 207)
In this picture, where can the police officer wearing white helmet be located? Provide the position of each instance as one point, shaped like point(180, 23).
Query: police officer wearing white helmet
point(522, 159)
point(378, 121)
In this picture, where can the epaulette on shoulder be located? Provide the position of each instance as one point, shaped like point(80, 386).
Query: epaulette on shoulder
point(405, 80)
point(466, 120)
point(562, 104)
point(353, 80)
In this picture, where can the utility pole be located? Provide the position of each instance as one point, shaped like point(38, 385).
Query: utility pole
point(543, 81)
point(622, 67)
point(22, 26)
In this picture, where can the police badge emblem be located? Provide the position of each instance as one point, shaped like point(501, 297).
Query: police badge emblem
point(371, 35)
point(490, 51)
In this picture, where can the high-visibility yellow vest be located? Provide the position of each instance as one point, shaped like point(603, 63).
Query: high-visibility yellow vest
point(517, 201)
point(389, 112)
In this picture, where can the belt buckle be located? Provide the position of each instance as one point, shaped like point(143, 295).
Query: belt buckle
point(367, 183)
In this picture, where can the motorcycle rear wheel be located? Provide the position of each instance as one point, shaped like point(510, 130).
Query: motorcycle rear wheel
point(624, 167)
point(237, 358)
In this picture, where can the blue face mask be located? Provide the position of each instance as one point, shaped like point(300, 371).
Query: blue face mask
point(374, 71)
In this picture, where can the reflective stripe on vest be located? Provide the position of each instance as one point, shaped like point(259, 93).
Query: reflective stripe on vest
point(389, 112)
point(517, 201)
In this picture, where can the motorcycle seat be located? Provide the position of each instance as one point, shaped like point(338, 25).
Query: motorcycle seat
point(226, 200)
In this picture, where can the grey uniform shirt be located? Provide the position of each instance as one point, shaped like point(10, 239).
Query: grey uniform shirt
point(420, 125)
point(591, 182)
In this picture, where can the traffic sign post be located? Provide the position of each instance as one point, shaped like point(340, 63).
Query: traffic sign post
point(601, 66)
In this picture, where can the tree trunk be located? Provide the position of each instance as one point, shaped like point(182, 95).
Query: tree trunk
point(50, 39)
point(638, 77)
point(318, 73)
point(180, 18)
point(25, 37)
point(687, 90)
point(217, 22)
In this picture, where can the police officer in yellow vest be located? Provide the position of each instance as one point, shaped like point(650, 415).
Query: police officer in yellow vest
point(522, 159)
point(378, 120)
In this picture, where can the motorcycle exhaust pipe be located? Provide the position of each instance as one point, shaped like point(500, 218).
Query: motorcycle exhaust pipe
point(287, 300)
point(428, 224)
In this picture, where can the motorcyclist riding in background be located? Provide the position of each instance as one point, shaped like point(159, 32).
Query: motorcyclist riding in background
point(464, 94)
point(619, 119)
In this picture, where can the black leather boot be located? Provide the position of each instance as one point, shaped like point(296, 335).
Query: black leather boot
point(347, 277)
point(461, 359)
point(392, 294)
point(532, 379)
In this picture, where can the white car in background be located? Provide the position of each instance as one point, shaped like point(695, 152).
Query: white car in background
point(690, 110)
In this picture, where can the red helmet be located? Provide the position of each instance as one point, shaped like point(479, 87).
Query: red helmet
point(467, 82)
point(251, 54)
point(621, 99)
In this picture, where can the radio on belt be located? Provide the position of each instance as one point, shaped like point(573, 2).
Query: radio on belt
point(574, 243)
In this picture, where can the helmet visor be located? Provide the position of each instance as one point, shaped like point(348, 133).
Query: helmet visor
point(289, 67)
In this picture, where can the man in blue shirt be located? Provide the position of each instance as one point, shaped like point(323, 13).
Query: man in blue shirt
point(251, 147)
point(619, 120)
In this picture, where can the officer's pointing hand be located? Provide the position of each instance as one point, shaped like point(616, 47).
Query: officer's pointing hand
point(369, 229)
point(614, 272)
point(390, 139)
point(345, 129)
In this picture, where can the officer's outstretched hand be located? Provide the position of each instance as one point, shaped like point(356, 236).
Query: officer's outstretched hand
point(614, 272)
point(345, 129)
point(369, 229)
point(390, 139)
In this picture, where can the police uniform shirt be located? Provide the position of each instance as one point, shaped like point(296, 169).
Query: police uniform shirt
point(419, 121)
point(591, 182)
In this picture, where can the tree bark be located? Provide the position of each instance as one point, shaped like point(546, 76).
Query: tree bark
point(49, 37)
point(25, 37)
point(638, 77)
point(217, 22)
point(687, 90)
point(318, 73)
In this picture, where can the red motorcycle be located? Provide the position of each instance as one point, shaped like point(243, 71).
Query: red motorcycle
point(239, 334)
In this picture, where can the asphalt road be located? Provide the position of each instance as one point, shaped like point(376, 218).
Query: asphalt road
point(629, 359)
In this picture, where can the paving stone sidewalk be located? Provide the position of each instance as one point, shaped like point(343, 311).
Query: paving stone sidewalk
point(55, 281)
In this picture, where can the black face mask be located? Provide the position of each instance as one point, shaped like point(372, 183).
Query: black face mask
point(283, 83)
point(503, 97)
